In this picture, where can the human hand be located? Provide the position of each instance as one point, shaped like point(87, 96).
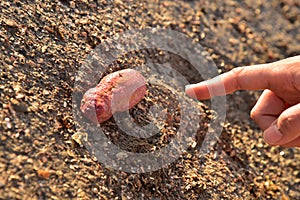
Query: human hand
point(277, 111)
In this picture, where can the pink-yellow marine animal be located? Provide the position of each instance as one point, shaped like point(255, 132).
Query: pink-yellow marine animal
point(116, 92)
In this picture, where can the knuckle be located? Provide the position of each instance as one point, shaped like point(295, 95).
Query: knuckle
point(295, 82)
point(237, 72)
point(254, 114)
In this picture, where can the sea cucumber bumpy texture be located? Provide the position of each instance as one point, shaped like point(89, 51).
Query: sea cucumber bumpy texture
point(118, 91)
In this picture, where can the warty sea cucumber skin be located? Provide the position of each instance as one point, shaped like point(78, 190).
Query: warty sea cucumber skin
point(116, 92)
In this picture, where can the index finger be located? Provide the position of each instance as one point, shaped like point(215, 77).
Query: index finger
point(255, 77)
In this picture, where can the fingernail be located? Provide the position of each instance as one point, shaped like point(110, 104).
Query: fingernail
point(272, 135)
point(189, 86)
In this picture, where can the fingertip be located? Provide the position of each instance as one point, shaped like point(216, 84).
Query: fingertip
point(189, 90)
point(198, 91)
point(189, 87)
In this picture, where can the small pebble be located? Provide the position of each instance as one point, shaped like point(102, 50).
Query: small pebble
point(19, 106)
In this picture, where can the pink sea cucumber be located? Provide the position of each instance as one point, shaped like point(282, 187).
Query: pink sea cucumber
point(118, 91)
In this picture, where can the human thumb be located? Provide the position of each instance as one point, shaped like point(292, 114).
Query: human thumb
point(285, 131)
